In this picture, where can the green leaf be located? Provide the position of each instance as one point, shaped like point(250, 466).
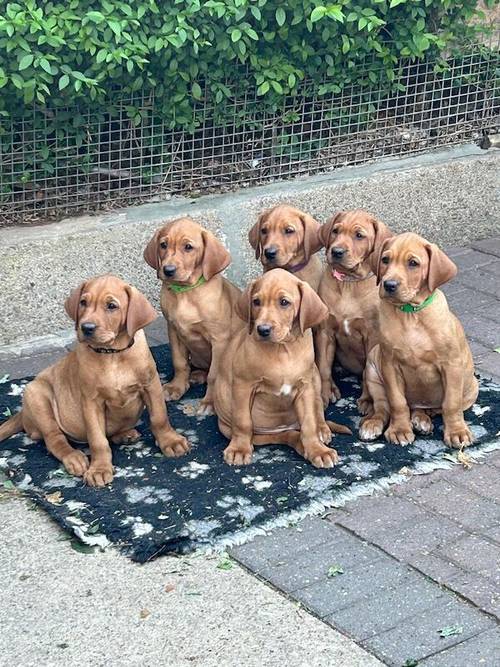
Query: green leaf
point(335, 13)
point(25, 61)
point(196, 91)
point(318, 13)
point(280, 16)
point(63, 81)
point(263, 88)
point(7, 484)
point(395, 3)
point(235, 35)
point(82, 548)
point(7, 412)
point(225, 564)
point(450, 631)
point(93, 529)
point(497, 349)
point(335, 570)
point(277, 87)
point(411, 662)
point(45, 65)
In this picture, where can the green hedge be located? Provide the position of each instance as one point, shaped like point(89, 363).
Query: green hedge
point(55, 53)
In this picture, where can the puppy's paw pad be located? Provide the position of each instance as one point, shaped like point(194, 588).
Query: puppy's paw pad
point(76, 463)
point(174, 446)
point(371, 429)
point(98, 475)
point(238, 456)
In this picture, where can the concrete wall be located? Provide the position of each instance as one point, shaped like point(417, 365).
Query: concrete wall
point(449, 196)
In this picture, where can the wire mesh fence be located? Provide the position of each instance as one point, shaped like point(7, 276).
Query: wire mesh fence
point(56, 162)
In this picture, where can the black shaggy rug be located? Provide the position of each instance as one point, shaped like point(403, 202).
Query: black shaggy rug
point(157, 505)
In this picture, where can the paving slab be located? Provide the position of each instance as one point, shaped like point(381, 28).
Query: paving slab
point(473, 552)
point(483, 650)
point(63, 608)
point(418, 637)
point(471, 260)
point(491, 246)
point(478, 280)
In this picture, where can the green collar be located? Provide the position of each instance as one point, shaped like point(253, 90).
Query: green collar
point(408, 308)
point(177, 289)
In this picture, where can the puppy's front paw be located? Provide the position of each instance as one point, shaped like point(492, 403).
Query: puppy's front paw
point(174, 390)
point(205, 408)
point(99, 474)
point(324, 433)
point(321, 456)
point(400, 434)
point(172, 444)
point(365, 405)
point(458, 436)
point(238, 455)
point(126, 437)
point(76, 463)
point(371, 428)
point(330, 393)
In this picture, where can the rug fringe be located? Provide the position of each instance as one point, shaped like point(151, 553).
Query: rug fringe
point(325, 503)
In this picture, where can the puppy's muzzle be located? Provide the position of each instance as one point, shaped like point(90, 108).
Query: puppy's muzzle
point(271, 253)
point(169, 270)
point(390, 286)
point(88, 328)
point(264, 330)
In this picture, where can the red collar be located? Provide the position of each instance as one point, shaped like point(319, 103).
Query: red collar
point(345, 278)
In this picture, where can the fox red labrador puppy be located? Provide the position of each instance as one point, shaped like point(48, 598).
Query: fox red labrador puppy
point(196, 301)
point(267, 386)
point(423, 364)
point(285, 237)
point(349, 289)
point(98, 391)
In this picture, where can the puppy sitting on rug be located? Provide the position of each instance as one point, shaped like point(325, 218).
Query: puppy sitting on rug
point(267, 387)
point(196, 301)
point(99, 390)
point(284, 237)
point(423, 364)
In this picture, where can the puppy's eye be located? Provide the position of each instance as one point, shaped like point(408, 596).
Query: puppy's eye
point(256, 302)
point(359, 235)
point(335, 232)
point(385, 260)
point(112, 306)
point(188, 247)
point(289, 230)
point(284, 303)
point(164, 245)
point(83, 302)
point(263, 232)
point(413, 263)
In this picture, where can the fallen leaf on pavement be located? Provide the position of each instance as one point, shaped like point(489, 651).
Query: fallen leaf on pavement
point(335, 570)
point(144, 613)
point(82, 548)
point(464, 459)
point(225, 564)
point(54, 498)
point(450, 630)
point(169, 588)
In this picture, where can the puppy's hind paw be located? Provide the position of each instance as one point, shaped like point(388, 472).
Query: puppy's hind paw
point(421, 422)
point(172, 391)
point(173, 444)
point(205, 408)
point(76, 463)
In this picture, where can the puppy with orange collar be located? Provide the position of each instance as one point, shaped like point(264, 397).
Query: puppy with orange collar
point(267, 387)
point(423, 364)
point(197, 302)
point(349, 289)
point(285, 237)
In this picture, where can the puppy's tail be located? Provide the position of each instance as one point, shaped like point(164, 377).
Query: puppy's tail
point(12, 426)
point(338, 428)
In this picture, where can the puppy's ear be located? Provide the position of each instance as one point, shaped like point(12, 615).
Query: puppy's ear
point(140, 312)
point(215, 257)
point(243, 306)
point(312, 310)
point(151, 251)
point(382, 232)
point(73, 301)
point(441, 268)
point(312, 241)
point(326, 230)
point(374, 258)
point(254, 233)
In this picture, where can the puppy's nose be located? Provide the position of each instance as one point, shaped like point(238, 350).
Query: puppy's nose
point(264, 330)
point(169, 270)
point(271, 252)
point(391, 286)
point(88, 328)
point(338, 252)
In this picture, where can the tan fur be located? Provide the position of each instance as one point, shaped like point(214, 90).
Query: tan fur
point(293, 249)
point(423, 364)
point(89, 396)
point(268, 391)
point(200, 321)
point(351, 329)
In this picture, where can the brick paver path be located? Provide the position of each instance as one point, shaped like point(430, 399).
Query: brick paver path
point(423, 557)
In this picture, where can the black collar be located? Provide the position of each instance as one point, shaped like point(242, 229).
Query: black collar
point(111, 350)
